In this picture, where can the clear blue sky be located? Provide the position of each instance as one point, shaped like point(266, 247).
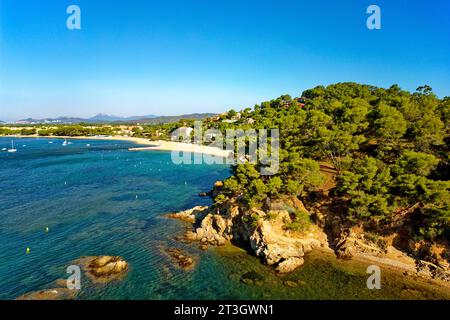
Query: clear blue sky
point(173, 57)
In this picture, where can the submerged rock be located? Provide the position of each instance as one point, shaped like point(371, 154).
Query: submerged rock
point(103, 269)
point(50, 294)
point(290, 284)
point(289, 265)
point(301, 283)
point(182, 260)
point(251, 278)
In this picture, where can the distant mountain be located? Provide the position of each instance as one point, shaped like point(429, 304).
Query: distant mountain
point(104, 118)
point(101, 117)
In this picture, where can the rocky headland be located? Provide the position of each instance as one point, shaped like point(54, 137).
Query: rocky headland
point(266, 232)
point(262, 230)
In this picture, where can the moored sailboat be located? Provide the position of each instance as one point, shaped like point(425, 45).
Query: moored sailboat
point(12, 147)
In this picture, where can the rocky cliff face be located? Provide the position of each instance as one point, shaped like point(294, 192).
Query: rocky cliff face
point(396, 248)
point(262, 230)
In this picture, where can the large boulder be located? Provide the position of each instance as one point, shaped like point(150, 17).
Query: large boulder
point(345, 249)
point(189, 215)
point(289, 265)
point(103, 269)
point(214, 229)
point(218, 227)
point(276, 248)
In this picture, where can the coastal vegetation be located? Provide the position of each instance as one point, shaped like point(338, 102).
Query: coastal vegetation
point(364, 164)
point(363, 171)
point(160, 131)
point(388, 148)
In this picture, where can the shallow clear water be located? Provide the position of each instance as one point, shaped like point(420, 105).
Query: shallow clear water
point(106, 200)
point(95, 200)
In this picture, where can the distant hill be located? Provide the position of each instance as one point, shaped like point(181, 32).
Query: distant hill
point(170, 119)
point(104, 118)
point(101, 117)
point(60, 120)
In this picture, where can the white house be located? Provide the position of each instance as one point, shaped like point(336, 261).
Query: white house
point(183, 133)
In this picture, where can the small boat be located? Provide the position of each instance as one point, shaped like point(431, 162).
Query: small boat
point(65, 142)
point(88, 145)
point(4, 149)
point(51, 142)
point(12, 147)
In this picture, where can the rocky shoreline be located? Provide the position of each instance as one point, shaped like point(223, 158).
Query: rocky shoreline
point(262, 231)
point(216, 227)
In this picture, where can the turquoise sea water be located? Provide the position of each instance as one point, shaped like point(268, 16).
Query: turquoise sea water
point(105, 200)
point(95, 200)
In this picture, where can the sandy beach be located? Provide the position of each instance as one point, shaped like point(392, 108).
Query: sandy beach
point(185, 147)
point(148, 145)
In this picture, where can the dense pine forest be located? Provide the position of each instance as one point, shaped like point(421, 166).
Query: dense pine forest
point(387, 150)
